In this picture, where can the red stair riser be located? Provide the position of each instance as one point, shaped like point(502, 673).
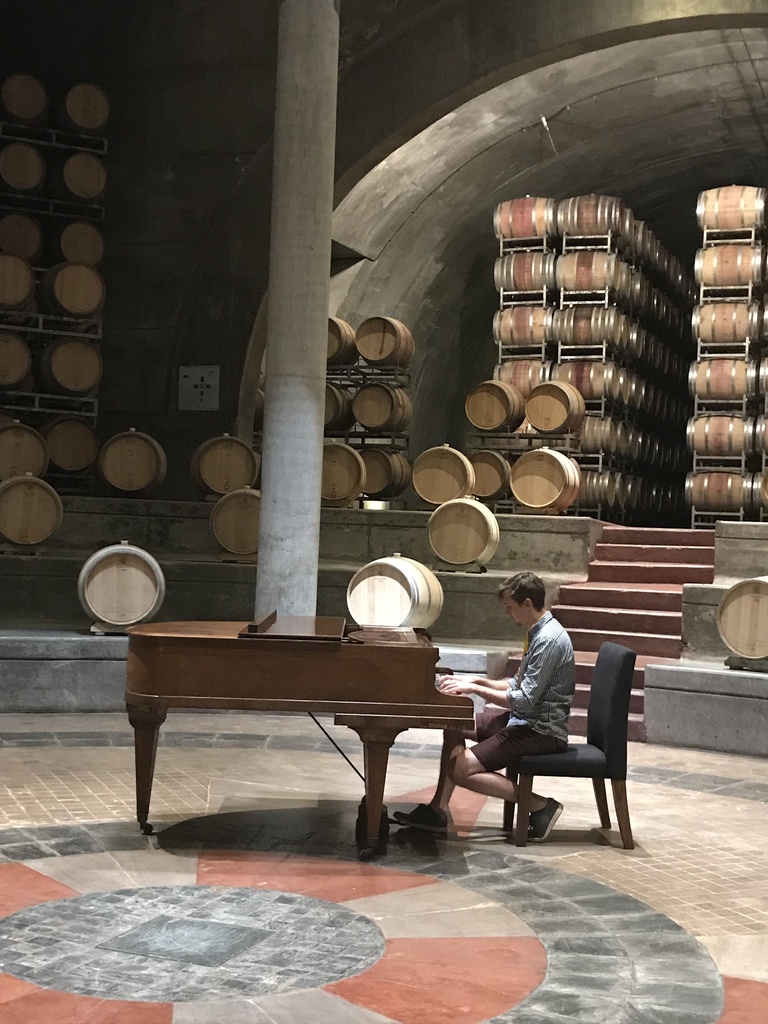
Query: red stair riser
point(597, 597)
point(627, 620)
point(611, 572)
point(660, 647)
point(643, 553)
point(646, 535)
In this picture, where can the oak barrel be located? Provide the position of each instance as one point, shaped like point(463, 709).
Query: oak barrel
point(17, 282)
point(720, 434)
point(15, 360)
point(132, 461)
point(462, 531)
point(441, 474)
point(338, 407)
point(525, 271)
point(591, 325)
point(742, 618)
point(342, 350)
point(74, 289)
point(21, 235)
point(81, 242)
point(121, 585)
point(23, 98)
point(223, 464)
point(761, 446)
point(234, 521)
point(721, 266)
point(727, 322)
point(22, 450)
point(30, 510)
point(495, 405)
point(381, 406)
point(597, 489)
point(720, 491)
point(396, 592)
point(590, 378)
point(523, 325)
point(72, 366)
point(85, 109)
point(591, 215)
point(590, 271)
point(491, 474)
point(387, 473)
point(555, 407)
point(731, 208)
point(526, 217)
point(22, 168)
point(343, 475)
point(82, 177)
point(546, 479)
point(384, 341)
point(524, 374)
point(71, 442)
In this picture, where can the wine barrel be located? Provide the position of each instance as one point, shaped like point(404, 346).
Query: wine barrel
point(491, 474)
point(132, 461)
point(761, 445)
point(726, 266)
point(22, 450)
point(121, 585)
point(720, 491)
point(15, 360)
point(463, 531)
point(396, 592)
point(442, 474)
point(85, 109)
point(727, 322)
point(742, 618)
point(80, 242)
point(590, 271)
point(30, 510)
point(545, 479)
point(17, 282)
point(71, 442)
point(23, 98)
point(731, 208)
point(722, 378)
point(597, 489)
point(74, 289)
point(598, 434)
point(524, 374)
point(720, 434)
point(223, 464)
point(387, 473)
point(342, 350)
point(591, 325)
point(72, 366)
point(591, 215)
point(234, 521)
point(82, 177)
point(380, 406)
point(495, 405)
point(555, 407)
point(338, 407)
point(523, 325)
point(591, 379)
point(525, 271)
point(343, 476)
point(22, 168)
point(21, 235)
point(526, 217)
point(384, 341)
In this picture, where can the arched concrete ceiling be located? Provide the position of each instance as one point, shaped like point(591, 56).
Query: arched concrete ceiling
point(652, 120)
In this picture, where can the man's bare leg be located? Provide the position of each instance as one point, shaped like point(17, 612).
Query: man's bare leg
point(466, 771)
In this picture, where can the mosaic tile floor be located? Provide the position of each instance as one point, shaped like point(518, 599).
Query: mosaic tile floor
point(248, 904)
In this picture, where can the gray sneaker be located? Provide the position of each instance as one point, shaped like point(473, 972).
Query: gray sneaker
point(541, 823)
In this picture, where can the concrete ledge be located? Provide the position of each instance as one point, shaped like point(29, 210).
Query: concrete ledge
point(740, 550)
point(712, 708)
point(701, 636)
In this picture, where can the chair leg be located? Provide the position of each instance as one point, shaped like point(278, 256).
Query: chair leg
point(602, 802)
point(508, 823)
point(619, 787)
point(524, 790)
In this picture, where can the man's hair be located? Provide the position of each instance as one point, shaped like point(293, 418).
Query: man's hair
point(523, 585)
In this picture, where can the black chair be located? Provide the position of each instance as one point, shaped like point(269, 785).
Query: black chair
point(603, 756)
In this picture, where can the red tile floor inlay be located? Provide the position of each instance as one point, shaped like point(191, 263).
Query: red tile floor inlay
point(22, 887)
point(746, 1002)
point(447, 980)
point(24, 1003)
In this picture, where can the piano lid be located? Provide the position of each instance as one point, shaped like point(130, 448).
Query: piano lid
point(296, 627)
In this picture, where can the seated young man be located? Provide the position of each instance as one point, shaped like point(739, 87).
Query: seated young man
point(537, 702)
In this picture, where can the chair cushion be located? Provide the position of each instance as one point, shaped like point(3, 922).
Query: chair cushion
point(579, 761)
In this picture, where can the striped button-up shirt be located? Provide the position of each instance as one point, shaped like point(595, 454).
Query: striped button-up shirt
point(541, 693)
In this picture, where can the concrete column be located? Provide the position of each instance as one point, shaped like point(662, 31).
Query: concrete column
point(297, 318)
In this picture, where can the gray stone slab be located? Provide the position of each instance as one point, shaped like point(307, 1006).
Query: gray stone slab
point(190, 941)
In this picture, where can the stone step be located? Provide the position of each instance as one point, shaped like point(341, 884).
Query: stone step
point(581, 698)
point(642, 643)
point(577, 725)
point(613, 534)
point(585, 666)
point(627, 620)
point(660, 597)
point(654, 554)
point(647, 572)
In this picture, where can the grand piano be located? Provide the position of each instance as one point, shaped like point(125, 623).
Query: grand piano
point(378, 682)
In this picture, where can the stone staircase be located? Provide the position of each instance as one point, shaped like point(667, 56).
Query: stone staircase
point(633, 596)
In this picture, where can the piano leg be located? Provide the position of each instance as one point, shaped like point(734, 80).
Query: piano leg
point(146, 724)
point(377, 740)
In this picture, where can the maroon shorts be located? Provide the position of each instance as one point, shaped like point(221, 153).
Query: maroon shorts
point(501, 746)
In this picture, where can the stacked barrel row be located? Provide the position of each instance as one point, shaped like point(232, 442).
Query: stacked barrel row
point(52, 183)
point(727, 433)
point(368, 410)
